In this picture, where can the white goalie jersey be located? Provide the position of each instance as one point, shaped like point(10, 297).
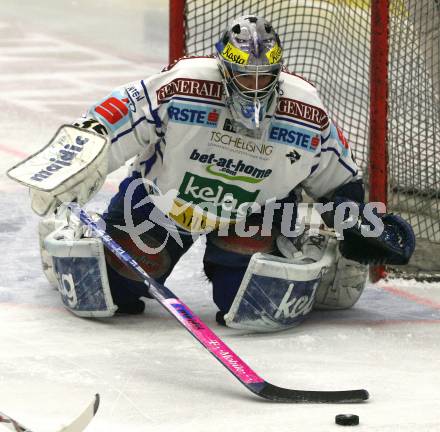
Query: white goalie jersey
point(179, 128)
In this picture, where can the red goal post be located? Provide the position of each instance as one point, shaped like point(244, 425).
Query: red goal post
point(376, 66)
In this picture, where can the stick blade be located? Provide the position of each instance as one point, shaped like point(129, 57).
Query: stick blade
point(81, 422)
point(279, 394)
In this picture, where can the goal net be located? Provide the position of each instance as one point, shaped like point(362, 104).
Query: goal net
point(328, 42)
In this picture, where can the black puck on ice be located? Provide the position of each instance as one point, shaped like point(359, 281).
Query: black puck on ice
point(347, 419)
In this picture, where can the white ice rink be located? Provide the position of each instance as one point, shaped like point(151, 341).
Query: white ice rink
point(58, 56)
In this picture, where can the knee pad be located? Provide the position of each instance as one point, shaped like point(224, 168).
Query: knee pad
point(246, 245)
point(157, 265)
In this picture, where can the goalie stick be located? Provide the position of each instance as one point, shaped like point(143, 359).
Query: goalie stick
point(77, 425)
point(210, 340)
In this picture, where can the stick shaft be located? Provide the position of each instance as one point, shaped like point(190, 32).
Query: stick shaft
point(176, 307)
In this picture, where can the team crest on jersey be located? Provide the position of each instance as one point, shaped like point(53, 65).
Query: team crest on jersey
point(193, 114)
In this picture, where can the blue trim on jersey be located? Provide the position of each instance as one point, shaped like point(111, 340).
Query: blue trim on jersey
point(353, 172)
point(149, 163)
point(323, 140)
point(187, 99)
point(158, 149)
point(349, 168)
point(153, 113)
point(331, 149)
point(313, 169)
point(131, 128)
point(297, 122)
point(152, 160)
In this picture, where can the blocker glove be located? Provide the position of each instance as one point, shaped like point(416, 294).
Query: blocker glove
point(395, 245)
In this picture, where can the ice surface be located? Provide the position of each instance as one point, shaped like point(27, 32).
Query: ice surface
point(56, 57)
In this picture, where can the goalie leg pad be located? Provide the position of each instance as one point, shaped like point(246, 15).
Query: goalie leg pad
point(343, 284)
point(47, 226)
point(225, 261)
point(344, 281)
point(277, 293)
point(80, 270)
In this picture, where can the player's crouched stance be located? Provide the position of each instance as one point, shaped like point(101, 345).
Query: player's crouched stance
point(223, 132)
point(260, 283)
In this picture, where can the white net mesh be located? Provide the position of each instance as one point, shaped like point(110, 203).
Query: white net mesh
point(328, 42)
point(414, 116)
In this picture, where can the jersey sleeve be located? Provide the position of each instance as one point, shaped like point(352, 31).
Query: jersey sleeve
point(129, 120)
point(334, 167)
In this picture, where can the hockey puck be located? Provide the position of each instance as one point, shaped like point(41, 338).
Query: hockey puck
point(347, 419)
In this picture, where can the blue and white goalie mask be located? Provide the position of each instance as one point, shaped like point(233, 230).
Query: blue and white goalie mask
point(250, 59)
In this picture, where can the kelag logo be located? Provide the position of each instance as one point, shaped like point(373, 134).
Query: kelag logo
point(230, 169)
point(294, 136)
point(193, 114)
point(214, 195)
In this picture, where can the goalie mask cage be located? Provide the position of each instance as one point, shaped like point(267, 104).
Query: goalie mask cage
point(376, 66)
